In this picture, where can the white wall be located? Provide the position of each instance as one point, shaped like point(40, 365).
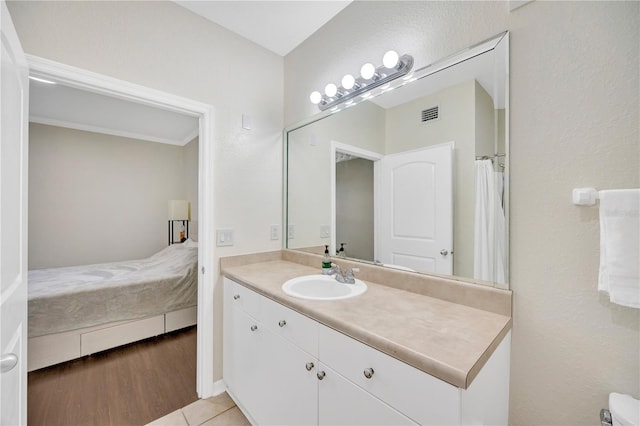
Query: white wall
point(310, 158)
point(98, 198)
point(164, 46)
point(573, 122)
point(190, 153)
point(485, 122)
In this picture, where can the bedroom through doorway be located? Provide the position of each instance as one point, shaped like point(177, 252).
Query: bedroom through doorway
point(100, 194)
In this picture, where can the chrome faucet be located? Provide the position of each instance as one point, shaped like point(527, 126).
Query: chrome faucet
point(346, 278)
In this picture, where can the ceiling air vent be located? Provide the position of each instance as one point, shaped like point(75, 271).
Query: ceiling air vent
point(430, 114)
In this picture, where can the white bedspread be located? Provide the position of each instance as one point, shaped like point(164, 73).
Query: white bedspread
point(63, 299)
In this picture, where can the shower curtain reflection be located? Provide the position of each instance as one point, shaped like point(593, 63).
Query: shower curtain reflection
point(489, 251)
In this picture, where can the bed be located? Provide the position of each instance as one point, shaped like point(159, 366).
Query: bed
point(80, 310)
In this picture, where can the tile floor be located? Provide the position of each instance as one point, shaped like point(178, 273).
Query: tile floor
point(215, 411)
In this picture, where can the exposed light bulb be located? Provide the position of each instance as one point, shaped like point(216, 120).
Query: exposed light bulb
point(330, 90)
point(390, 59)
point(348, 82)
point(367, 71)
point(315, 97)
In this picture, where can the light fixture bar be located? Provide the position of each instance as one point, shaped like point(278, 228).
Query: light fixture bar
point(382, 76)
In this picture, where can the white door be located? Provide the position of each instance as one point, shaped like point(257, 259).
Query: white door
point(414, 199)
point(14, 92)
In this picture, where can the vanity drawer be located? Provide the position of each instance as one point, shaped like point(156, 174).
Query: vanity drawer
point(285, 322)
point(423, 398)
point(242, 298)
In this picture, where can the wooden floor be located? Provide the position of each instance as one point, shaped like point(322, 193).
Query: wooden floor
point(131, 385)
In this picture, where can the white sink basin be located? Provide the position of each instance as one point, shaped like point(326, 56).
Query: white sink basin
point(322, 287)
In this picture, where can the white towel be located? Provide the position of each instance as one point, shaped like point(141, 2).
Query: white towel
point(620, 246)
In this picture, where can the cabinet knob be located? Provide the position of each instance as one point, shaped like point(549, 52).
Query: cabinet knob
point(309, 366)
point(254, 327)
point(282, 323)
point(236, 296)
point(321, 375)
point(368, 373)
point(7, 362)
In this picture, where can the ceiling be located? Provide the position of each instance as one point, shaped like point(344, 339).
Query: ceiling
point(63, 106)
point(279, 26)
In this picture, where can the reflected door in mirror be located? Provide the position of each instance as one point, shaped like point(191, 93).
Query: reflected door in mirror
point(415, 205)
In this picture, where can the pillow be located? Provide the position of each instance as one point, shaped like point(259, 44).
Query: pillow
point(189, 243)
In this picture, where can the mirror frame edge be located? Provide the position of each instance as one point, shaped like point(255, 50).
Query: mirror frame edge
point(439, 65)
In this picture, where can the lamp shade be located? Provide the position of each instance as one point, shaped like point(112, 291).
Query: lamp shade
point(179, 210)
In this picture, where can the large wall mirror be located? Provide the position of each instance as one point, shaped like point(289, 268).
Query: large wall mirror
point(413, 176)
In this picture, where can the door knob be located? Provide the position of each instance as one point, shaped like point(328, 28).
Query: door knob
point(444, 252)
point(7, 362)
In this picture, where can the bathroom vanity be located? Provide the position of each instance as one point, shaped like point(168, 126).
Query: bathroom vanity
point(413, 349)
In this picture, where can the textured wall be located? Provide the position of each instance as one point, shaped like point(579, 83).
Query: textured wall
point(574, 122)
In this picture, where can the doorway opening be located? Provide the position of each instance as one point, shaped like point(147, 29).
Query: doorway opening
point(206, 271)
point(353, 189)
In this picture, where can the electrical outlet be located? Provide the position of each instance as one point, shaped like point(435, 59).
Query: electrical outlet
point(325, 231)
point(224, 237)
point(291, 232)
point(275, 232)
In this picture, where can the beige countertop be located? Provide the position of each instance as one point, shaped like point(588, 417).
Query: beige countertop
point(448, 340)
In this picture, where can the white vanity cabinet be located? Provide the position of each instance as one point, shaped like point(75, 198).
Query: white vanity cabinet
point(283, 368)
point(272, 379)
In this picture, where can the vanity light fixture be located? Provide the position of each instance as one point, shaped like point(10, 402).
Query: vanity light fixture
point(393, 66)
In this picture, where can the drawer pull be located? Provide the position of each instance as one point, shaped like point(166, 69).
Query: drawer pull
point(309, 366)
point(236, 296)
point(321, 375)
point(368, 373)
point(254, 327)
point(282, 323)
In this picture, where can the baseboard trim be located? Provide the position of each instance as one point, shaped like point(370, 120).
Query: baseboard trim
point(218, 387)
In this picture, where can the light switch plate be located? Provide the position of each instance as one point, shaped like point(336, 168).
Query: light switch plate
point(325, 231)
point(291, 232)
point(246, 122)
point(275, 232)
point(224, 237)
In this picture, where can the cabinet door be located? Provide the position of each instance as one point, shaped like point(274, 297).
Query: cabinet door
point(419, 396)
point(340, 402)
point(292, 394)
point(242, 370)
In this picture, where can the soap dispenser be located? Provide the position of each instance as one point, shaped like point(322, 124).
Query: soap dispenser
point(326, 261)
point(341, 252)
